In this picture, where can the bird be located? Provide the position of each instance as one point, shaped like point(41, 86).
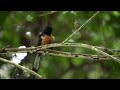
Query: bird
point(45, 37)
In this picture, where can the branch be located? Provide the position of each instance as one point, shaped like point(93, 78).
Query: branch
point(21, 67)
point(69, 54)
point(46, 50)
point(92, 47)
point(34, 49)
point(80, 27)
point(77, 55)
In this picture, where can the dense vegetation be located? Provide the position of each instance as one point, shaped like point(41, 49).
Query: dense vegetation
point(21, 28)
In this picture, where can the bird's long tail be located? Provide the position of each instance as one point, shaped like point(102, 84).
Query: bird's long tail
point(36, 63)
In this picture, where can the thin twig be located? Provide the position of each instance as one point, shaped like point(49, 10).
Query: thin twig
point(21, 67)
point(92, 47)
point(80, 27)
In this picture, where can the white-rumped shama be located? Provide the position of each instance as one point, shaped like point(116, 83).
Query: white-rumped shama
point(44, 38)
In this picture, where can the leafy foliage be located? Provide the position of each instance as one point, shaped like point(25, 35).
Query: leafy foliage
point(19, 28)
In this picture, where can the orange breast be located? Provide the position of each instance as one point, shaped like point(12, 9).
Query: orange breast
point(46, 40)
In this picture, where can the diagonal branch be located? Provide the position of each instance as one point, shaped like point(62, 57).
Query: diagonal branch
point(21, 67)
point(80, 27)
point(92, 47)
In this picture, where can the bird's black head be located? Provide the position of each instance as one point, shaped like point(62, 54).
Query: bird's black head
point(48, 30)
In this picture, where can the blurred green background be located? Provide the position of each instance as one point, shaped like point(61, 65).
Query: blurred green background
point(21, 28)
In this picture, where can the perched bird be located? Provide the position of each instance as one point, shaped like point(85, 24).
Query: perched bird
point(44, 38)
